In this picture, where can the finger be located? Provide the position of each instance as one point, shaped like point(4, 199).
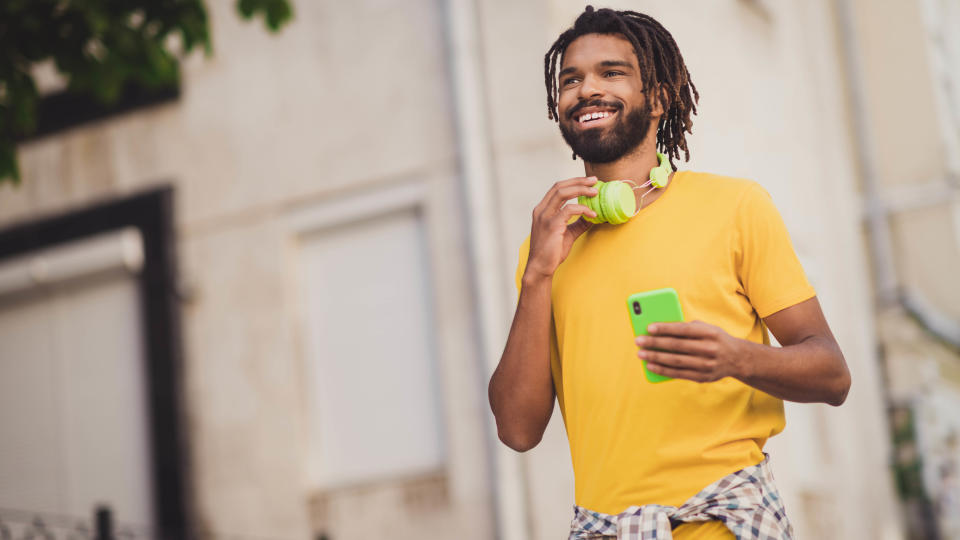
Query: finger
point(684, 345)
point(577, 180)
point(695, 329)
point(578, 227)
point(562, 192)
point(690, 375)
point(547, 201)
point(574, 209)
point(678, 361)
point(569, 194)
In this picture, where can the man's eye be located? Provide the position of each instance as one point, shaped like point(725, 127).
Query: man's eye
point(613, 73)
point(569, 81)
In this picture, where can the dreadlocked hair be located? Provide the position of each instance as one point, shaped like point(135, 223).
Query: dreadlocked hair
point(661, 66)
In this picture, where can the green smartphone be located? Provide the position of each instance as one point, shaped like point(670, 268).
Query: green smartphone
point(660, 305)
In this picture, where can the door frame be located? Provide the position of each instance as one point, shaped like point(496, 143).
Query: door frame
point(152, 213)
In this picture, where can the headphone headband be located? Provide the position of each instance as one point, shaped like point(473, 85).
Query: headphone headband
point(660, 174)
point(613, 205)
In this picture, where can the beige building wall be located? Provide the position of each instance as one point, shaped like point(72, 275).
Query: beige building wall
point(349, 99)
point(907, 122)
point(911, 96)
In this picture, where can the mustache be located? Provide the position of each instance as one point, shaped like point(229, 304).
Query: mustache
point(593, 103)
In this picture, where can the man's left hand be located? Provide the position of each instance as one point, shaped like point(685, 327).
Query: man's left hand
point(696, 351)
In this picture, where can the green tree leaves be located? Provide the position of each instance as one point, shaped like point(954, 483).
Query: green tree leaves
point(276, 12)
point(99, 46)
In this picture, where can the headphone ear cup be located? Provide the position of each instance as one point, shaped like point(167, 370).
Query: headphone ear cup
point(621, 202)
point(615, 202)
point(604, 203)
point(601, 207)
point(593, 203)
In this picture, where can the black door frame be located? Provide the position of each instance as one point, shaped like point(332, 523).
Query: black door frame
point(152, 213)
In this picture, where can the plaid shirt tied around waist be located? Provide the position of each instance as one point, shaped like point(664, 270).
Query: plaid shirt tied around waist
point(746, 501)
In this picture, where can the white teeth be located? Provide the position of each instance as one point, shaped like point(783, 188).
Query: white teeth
point(593, 116)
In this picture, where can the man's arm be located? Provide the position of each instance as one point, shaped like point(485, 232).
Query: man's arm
point(808, 368)
point(521, 389)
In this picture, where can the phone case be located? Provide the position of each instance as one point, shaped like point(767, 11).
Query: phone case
point(661, 305)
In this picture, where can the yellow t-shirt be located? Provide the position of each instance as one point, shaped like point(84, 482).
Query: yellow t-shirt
point(721, 243)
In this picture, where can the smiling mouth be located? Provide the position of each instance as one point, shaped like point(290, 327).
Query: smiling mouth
point(588, 118)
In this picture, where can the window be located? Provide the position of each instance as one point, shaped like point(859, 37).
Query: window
point(371, 383)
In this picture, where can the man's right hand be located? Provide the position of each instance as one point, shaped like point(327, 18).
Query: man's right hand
point(521, 390)
point(551, 237)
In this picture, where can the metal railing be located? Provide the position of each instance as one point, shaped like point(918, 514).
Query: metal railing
point(27, 525)
point(18, 524)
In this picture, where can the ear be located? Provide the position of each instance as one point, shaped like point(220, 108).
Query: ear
point(661, 101)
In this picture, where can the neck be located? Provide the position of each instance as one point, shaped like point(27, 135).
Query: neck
point(634, 166)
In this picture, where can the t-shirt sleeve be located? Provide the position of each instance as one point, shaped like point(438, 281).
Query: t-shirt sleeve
point(522, 262)
point(769, 270)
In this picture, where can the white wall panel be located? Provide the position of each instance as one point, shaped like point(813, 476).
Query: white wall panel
point(373, 397)
point(73, 416)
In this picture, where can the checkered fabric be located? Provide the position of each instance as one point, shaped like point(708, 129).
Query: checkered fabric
point(746, 501)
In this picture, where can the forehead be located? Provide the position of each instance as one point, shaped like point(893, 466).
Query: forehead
point(590, 49)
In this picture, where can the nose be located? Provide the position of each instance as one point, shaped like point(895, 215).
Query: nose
point(590, 88)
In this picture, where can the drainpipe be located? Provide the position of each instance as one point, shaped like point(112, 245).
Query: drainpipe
point(886, 290)
point(877, 208)
point(881, 246)
point(464, 58)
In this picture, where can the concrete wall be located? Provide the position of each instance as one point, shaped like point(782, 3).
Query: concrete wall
point(908, 121)
point(345, 100)
point(910, 97)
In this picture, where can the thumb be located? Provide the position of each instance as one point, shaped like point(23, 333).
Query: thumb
point(578, 227)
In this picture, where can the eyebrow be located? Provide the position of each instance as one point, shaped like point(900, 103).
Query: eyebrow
point(605, 63)
point(616, 63)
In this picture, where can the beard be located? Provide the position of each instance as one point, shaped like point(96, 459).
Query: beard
point(605, 145)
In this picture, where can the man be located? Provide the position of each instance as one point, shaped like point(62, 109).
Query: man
point(686, 454)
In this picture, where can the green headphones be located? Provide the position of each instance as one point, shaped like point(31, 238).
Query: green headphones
point(615, 203)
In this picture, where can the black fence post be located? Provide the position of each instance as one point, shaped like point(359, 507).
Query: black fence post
point(104, 523)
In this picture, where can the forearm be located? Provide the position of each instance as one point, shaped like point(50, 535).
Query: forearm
point(521, 389)
point(809, 371)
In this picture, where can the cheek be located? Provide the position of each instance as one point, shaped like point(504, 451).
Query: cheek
point(564, 104)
